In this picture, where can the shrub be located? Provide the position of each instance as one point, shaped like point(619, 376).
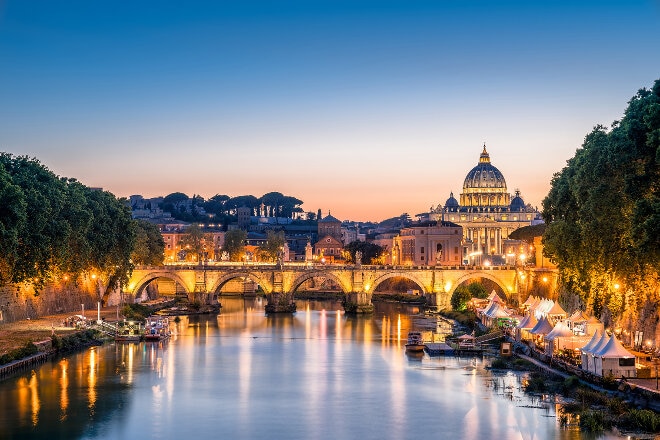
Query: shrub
point(499, 363)
point(19, 353)
point(137, 312)
point(570, 384)
point(593, 421)
point(535, 384)
point(641, 419)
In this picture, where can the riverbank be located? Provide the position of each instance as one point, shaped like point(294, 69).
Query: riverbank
point(625, 407)
point(17, 334)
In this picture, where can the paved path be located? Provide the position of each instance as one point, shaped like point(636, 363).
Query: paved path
point(17, 334)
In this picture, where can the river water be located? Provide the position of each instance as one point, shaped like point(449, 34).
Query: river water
point(318, 374)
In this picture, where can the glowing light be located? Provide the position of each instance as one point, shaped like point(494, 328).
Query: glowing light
point(616, 286)
point(93, 276)
point(366, 287)
point(487, 263)
point(545, 279)
point(447, 286)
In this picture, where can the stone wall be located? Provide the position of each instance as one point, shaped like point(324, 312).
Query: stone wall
point(20, 301)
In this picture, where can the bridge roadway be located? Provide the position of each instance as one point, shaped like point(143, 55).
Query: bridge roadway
point(280, 281)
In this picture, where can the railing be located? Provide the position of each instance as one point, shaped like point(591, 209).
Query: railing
point(105, 328)
point(311, 265)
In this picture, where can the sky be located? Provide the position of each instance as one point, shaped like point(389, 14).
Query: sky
point(365, 109)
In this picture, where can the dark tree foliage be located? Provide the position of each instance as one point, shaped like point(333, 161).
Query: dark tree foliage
point(460, 298)
point(50, 226)
point(273, 246)
point(527, 233)
point(149, 246)
point(371, 252)
point(235, 244)
point(603, 212)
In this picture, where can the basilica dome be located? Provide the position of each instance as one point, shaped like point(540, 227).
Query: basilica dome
point(451, 201)
point(517, 203)
point(484, 175)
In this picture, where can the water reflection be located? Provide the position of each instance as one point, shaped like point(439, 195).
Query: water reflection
point(243, 374)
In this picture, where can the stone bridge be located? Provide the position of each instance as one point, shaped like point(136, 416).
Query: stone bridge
point(357, 282)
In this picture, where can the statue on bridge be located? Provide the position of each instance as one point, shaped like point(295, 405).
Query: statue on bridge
point(358, 258)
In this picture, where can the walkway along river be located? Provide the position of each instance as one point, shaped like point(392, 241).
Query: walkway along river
point(316, 374)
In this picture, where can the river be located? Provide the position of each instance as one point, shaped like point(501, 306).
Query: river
point(317, 374)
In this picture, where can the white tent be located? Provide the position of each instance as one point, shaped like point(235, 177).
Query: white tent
point(592, 325)
point(494, 297)
point(543, 327)
point(586, 350)
point(492, 313)
point(522, 329)
point(602, 342)
point(562, 338)
point(578, 317)
point(613, 359)
point(556, 312)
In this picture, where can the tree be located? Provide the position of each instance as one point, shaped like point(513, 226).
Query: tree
point(149, 246)
point(460, 298)
point(603, 211)
point(477, 290)
point(371, 252)
point(273, 246)
point(235, 244)
point(13, 218)
point(194, 243)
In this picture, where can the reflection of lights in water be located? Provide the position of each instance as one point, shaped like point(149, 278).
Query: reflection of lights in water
point(131, 352)
point(23, 392)
point(398, 329)
point(34, 398)
point(92, 379)
point(338, 327)
point(323, 325)
point(64, 389)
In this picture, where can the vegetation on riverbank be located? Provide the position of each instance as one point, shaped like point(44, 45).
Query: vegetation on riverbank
point(593, 410)
point(466, 318)
point(399, 297)
point(76, 341)
point(26, 350)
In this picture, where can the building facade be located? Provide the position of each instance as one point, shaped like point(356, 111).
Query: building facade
point(431, 243)
point(487, 213)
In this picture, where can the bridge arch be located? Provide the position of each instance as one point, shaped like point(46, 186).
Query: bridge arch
point(480, 274)
point(266, 286)
point(299, 280)
point(387, 276)
point(138, 286)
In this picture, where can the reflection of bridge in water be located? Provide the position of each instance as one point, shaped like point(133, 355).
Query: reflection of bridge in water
point(357, 282)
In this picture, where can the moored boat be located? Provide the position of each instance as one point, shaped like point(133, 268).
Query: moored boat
point(415, 342)
point(157, 328)
point(128, 331)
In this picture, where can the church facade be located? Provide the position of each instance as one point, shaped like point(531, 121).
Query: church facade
point(487, 214)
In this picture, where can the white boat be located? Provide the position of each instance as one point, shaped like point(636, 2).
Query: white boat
point(157, 328)
point(415, 342)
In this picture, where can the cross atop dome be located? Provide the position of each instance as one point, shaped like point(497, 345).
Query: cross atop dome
point(484, 157)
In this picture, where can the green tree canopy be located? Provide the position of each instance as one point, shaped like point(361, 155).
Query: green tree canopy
point(460, 298)
point(371, 252)
point(235, 244)
point(603, 210)
point(149, 246)
point(195, 243)
point(50, 226)
point(274, 244)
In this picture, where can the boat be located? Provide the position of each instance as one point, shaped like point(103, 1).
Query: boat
point(157, 328)
point(415, 342)
point(128, 331)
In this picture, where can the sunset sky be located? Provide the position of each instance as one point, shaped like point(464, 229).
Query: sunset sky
point(365, 108)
